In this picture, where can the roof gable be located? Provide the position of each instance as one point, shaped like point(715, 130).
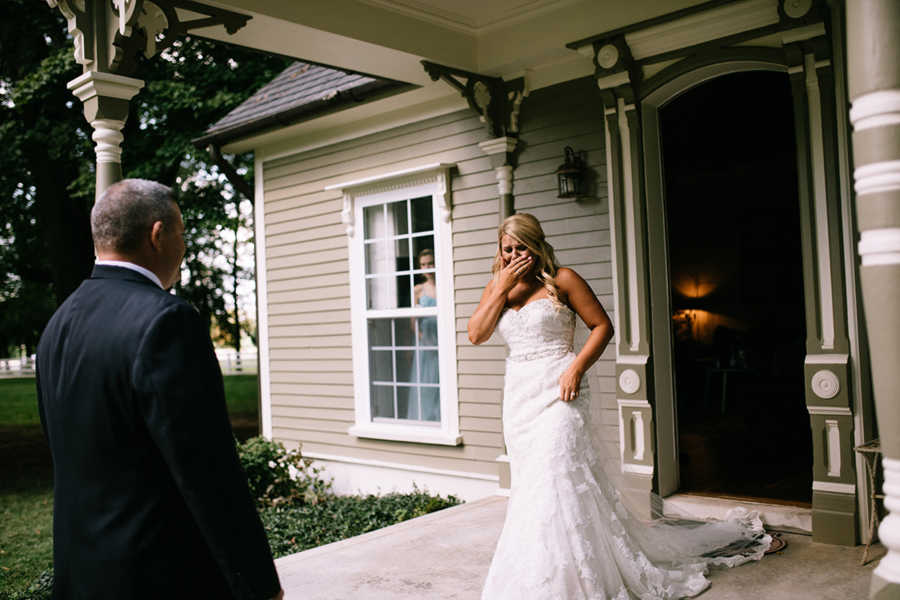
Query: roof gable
point(302, 91)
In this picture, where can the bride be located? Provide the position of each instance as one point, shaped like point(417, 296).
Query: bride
point(567, 534)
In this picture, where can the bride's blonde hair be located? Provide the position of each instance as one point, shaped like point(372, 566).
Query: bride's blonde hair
point(526, 229)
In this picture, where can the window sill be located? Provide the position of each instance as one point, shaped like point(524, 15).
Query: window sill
point(401, 434)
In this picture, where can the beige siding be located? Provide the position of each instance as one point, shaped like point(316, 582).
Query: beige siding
point(308, 270)
point(553, 118)
point(309, 294)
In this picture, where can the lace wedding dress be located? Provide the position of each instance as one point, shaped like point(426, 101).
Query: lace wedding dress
point(567, 535)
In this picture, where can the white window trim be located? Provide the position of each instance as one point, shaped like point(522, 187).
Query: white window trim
point(434, 180)
point(262, 304)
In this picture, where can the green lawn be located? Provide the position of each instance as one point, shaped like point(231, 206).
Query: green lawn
point(26, 541)
point(18, 399)
point(18, 402)
point(26, 497)
point(242, 394)
point(26, 494)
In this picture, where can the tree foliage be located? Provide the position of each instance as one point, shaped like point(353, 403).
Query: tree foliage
point(47, 163)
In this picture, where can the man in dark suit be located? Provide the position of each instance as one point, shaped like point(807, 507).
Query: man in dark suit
point(150, 500)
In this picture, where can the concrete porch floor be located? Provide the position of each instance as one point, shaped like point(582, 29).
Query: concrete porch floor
point(445, 555)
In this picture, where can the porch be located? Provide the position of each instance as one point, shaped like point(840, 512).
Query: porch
point(447, 554)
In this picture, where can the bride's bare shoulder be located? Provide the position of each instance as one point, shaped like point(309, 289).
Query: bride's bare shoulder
point(567, 278)
point(572, 287)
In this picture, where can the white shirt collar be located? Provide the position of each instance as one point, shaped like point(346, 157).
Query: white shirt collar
point(129, 265)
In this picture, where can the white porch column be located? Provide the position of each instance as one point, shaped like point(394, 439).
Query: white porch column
point(873, 57)
point(502, 152)
point(105, 97)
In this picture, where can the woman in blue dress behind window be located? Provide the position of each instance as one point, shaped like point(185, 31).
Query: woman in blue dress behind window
point(426, 295)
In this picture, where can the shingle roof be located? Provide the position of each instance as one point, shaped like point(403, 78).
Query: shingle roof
point(300, 92)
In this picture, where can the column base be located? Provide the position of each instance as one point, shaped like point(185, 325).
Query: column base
point(638, 497)
point(834, 519)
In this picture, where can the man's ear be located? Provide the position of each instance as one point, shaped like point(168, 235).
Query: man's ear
point(156, 235)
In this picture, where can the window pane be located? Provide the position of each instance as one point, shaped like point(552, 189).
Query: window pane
point(425, 290)
point(406, 366)
point(378, 259)
point(379, 332)
point(421, 214)
point(406, 335)
point(401, 252)
point(381, 293)
point(427, 331)
point(428, 366)
point(424, 253)
point(383, 401)
point(431, 403)
point(388, 292)
point(407, 403)
point(381, 366)
point(404, 291)
point(373, 220)
point(421, 246)
point(426, 293)
point(397, 217)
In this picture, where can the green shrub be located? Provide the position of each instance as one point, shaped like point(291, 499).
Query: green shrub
point(277, 475)
point(40, 589)
point(293, 528)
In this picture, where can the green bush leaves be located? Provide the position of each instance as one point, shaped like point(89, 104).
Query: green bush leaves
point(299, 511)
point(277, 475)
point(293, 528)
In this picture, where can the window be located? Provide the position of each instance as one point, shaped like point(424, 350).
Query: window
point(404, 346)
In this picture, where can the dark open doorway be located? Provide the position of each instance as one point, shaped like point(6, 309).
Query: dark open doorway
point(729, 158)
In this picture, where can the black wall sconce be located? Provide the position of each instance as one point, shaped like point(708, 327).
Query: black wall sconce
point(571, 174)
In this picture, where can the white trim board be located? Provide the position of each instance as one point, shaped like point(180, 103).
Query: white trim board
point(354, 475)
point(367, 181)
point(262, 304)
point(834, 488)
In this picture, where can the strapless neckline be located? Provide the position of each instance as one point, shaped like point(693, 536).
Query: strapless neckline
point(527, 304)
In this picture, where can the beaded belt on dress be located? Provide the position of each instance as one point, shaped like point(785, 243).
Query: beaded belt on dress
point(540, 353)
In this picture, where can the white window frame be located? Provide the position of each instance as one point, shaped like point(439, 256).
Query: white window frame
point(427, 180)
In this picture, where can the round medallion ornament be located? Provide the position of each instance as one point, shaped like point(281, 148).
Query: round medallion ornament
point(629, 381)
point(797, 8)
point(607, 56)
point(825, 384)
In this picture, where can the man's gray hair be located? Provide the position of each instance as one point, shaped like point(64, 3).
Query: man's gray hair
point(126, 211)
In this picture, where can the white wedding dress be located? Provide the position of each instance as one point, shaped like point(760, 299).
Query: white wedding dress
point(567, 535)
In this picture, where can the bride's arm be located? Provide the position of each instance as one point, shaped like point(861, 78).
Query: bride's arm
point(493, 299)
point(582, 300)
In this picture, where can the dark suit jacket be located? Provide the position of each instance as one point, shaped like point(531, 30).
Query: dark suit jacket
point(150, 500)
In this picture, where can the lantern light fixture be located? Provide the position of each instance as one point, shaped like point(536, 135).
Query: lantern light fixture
point(571, 174)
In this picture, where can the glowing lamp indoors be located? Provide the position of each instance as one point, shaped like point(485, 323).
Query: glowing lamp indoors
point(570, 174)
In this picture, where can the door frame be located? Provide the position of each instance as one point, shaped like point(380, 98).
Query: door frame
point(635, 79)
point(665, 409)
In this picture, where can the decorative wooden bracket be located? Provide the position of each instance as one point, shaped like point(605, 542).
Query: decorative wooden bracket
point(109, 35)
point(495, 100)
point(232, 21)
point(614, 65)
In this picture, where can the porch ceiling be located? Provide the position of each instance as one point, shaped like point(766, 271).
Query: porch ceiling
point(388, 38)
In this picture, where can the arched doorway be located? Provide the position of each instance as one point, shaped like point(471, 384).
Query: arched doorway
point(740, 114)
point(732, 222)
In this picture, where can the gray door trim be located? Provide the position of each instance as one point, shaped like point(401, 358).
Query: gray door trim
point(665, 413)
